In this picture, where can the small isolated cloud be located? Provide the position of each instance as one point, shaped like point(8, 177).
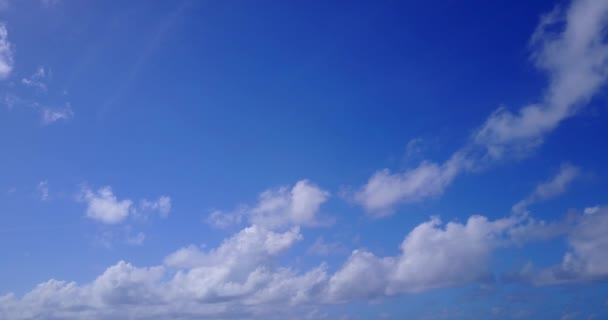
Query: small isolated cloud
point(6, 53)
point(323, 248)
point(36, 80)
point(51, 115)
point(43, 190)
point(385, 189)
point(162, 205)
point(104, 206)
point(277, 208)
point(136, 240)
point(551, 188)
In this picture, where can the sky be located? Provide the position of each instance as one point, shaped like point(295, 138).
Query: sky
point(303, 160)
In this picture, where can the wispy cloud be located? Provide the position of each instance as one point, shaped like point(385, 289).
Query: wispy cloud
point(43, 190)
point(551, 188)
point(36, 80)
point(51, 115)
point(6, 53)
point(571, 47)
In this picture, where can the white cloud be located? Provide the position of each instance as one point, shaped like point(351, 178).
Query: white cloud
point(103, 206)
point(431, 257)
point(43, 189)
point(551, 188)
point(51, 115)
point(278, 208)
point(246, 249)
point(238, 279)
point(585, 261)
point(6, 53)
point(162, 205)
point(385, 189)
point(222, 220)
point(323, 248)
point(136, 240)
point(575, 59)
point(35, 80)
point(241, 279)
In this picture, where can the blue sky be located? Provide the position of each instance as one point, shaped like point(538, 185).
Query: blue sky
point(303, 160)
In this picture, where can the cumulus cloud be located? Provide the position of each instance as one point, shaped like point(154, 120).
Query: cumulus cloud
point(104, 206)
point(551, 188)
point(250, 246)
point(238, 279)
point(571, 47)
point(6, 53)
point(241, 277)
point(432, 256)
point(385, 189)
point(278, 208)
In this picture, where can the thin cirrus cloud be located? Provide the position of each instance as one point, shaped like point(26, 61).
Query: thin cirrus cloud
point(575, 60)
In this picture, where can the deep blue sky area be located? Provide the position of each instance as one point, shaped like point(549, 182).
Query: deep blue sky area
point(303, 160)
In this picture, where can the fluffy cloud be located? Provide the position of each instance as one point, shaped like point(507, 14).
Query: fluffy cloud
point(278, 208)
point(571, 47)
point(385, 189)
point(6, 53)
point(241, 279)
point(551, 188)
point(250, 246)
point(431, 257)
point(237, 279)
point(103, 206)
